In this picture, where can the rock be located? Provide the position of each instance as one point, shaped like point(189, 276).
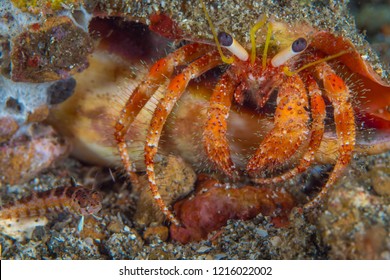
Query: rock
point(158, 232)
point(40, 53)
point(175, 179)
point(215, 203)
point(380, 178)
point(115, 226)
point(24, 157)
point(356, 224)
point(8, 127)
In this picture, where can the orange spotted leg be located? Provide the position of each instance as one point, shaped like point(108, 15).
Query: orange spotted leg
point(339, 95)
point(214, 136)
point(318, 113)
point(290, 129)
point(158, 74)
point(174, 91)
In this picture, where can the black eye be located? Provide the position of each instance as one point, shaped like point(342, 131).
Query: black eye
point(299, 45)
point(225, 39)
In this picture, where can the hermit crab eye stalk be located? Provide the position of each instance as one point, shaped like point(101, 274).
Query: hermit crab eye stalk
point(297, 47)
point(226, 40)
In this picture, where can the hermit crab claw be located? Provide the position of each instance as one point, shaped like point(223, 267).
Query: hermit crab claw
point(373, 104)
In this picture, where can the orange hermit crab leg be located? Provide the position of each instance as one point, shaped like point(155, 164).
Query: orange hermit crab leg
point(175, 89)
point(339, 95)
point(318, 113)
point(214, 136)
point(290, 130)
point(159, 72)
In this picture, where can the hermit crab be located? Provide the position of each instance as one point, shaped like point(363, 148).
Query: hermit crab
point(274, 94)
point(303, 67)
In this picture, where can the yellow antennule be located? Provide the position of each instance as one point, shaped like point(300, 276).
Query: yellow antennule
point(252, 33)
point(266, 45)
point(290, 73)
point(228, 60)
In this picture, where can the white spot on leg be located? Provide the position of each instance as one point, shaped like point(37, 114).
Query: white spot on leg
point(149, 168)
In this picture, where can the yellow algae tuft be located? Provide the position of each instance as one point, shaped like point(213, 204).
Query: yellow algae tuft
point(44, 4)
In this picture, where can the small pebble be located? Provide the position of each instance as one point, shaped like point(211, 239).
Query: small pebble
point(219, 256)
point(160, 232)
point(132, 237)
point(275, 241)
point(380, 178)
point(262, 233)
point(385, 255)
point(38, 233)
point(115, 226)
point(203, 250)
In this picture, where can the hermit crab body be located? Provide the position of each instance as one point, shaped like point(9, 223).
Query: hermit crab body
point(302, 74)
